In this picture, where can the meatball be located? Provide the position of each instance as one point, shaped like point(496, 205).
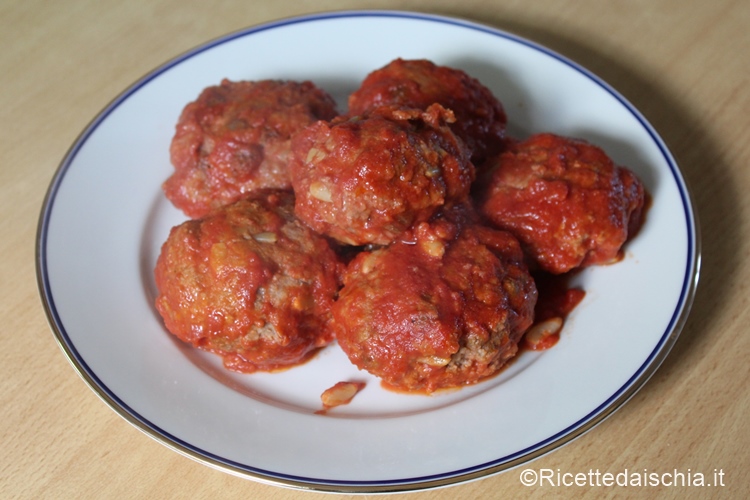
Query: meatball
point(363, 180)
point(443, 307)
point(235, 138)
point(565, 200)
point(480, 117)
point(250, 283)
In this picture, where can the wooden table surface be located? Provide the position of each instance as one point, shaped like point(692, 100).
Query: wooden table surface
point(684, 64)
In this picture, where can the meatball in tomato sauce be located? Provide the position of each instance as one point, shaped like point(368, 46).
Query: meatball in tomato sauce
point(565, 200)
point(235, 138)
point(444, 306)
point(480, 117)
point(365, 180)
point(250, 283)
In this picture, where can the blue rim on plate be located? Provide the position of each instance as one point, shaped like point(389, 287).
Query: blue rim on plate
point(442, 478)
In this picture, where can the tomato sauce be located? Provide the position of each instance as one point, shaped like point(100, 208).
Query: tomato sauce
point(557, 299)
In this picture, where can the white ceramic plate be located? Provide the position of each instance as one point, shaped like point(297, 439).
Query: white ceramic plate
point(105, 218)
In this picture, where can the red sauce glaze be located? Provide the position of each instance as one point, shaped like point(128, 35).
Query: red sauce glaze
point(235, 138)
point(367, 180)
point(249, 283)
point(565, 199)
point(444, 306)
point(363, 227)
point(480, 117)
point(556, 300)
point(556, 297)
